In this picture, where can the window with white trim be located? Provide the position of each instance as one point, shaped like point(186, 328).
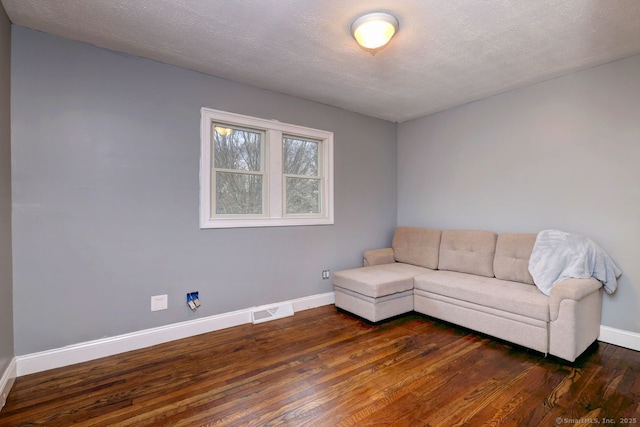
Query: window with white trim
point(261, 173)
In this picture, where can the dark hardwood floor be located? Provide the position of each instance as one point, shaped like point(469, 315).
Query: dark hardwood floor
point(326, 368)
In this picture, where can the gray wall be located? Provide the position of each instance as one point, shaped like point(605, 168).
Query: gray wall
point(105, 175)
point(560, 154)
point(6, 285)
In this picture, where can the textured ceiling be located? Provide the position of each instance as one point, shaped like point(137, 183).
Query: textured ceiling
point(447, 52)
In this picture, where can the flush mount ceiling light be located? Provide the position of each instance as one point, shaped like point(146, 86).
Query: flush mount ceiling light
point(374, 30)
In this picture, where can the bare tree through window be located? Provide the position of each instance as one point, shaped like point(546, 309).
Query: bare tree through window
point(239, 179)
point(301, 168)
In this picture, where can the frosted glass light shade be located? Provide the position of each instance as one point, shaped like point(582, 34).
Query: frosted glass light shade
point(222, 131)
point(374, 30)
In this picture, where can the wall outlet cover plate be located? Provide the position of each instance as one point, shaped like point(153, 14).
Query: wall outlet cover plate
point(159, 302)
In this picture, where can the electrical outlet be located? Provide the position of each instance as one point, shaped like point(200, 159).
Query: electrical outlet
point(159, 302)
point(325, 274)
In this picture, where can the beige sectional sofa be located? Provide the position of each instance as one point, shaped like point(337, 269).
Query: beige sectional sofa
point(476, 279)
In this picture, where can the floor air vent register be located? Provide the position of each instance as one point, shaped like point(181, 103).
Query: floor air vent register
point(271, 312)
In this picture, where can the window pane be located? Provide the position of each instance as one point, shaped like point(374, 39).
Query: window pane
point(238, 193)
point(300, 156)
point(237, 149)
point(303, 195)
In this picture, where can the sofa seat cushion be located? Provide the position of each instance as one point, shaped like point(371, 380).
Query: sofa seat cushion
point(512, 297)
point(379, 280)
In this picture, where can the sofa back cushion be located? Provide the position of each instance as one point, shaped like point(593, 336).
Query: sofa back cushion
point(513, 251)
point(417, 246)
point(468, 251)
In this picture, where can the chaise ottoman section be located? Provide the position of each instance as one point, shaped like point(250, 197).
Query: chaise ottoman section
point(376, 292)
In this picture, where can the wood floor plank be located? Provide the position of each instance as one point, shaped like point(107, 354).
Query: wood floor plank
point(323, 367)
point(432, 402)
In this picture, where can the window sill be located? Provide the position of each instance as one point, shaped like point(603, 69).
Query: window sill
point(263, 222)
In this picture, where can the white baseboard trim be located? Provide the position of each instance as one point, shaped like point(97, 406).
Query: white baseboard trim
point(620, 337)
point(313, 301)
point(6, 381)
point(83, 352)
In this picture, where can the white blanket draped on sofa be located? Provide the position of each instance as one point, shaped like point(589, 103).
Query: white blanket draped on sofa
point(558, 255)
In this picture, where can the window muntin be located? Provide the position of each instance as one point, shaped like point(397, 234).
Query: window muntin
point(260, 173)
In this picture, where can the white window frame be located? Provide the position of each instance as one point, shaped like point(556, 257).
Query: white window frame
point(274, 211)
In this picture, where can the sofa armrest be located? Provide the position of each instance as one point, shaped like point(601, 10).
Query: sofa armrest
point(379, 256)
point(572, 289)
